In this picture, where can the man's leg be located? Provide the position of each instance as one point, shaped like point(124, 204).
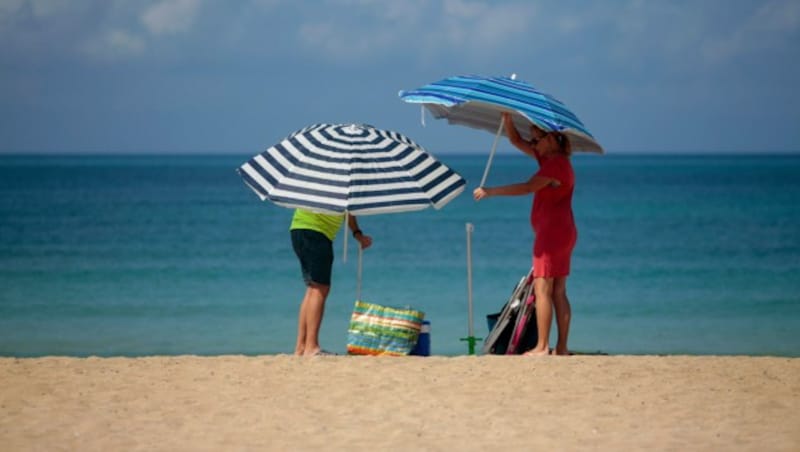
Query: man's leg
point(543, 288)
point(314, 305)
point(301, 325)
point(563, 314)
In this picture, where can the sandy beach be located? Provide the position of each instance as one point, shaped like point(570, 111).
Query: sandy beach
point(368, 403)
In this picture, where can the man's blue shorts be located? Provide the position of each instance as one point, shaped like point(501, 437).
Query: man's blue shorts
point(315, 252)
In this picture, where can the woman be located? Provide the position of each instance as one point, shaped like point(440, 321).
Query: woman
point(553, 225)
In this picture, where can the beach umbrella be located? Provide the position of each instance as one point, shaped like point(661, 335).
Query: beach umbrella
point(350, 169)
point(478, 102)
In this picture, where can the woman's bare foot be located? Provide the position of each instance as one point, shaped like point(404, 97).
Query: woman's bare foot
point(537, 352)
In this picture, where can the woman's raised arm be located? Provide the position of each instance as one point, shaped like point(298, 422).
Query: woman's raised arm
point(515, 138)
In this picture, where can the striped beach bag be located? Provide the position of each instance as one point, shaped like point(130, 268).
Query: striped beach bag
point(383, 330)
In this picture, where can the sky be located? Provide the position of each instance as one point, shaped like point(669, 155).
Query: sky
point(236, 76)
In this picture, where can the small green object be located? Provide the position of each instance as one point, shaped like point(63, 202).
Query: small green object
point(471, 340)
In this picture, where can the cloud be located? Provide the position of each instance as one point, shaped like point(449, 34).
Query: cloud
point(367, 28)
point(484, 27)
point(37, 8)
point(129, 29)
point(114, 45)
point(9, 6)
point(44, 8)
point(777, 17)
point(170, 16)
point(768, 27)
point(353, 29)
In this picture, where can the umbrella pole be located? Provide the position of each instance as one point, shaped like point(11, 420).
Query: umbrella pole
point(494, 145)
point(358, 273)
point(471, 339)
point(491, 154)
point(344, 254)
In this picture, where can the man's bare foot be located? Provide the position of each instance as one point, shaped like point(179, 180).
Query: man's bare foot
point(320, 352)
point(536, 352)
point(561, 352)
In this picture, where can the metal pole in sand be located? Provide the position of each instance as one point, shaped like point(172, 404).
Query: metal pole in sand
point(471, 339)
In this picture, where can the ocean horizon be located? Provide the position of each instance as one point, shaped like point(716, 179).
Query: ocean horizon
point(153, 254)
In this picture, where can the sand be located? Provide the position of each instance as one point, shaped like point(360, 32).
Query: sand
point(410, 403)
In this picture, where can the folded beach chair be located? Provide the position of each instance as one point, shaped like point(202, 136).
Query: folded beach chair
point(513, 330)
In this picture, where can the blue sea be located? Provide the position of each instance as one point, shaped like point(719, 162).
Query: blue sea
point(151, 255)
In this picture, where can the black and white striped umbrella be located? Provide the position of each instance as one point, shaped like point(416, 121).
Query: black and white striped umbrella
point(350, 168)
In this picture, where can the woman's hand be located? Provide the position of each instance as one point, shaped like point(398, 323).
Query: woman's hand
point(480, 193)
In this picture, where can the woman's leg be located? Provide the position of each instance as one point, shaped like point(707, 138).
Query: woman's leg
point(543, 288)
point(563, 314)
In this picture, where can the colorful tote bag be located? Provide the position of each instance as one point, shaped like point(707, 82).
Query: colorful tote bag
point(382, 330)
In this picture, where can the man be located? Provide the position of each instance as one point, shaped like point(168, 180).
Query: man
point(312, 240)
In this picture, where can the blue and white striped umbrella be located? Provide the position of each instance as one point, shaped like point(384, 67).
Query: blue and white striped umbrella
point(477, 102)
point(350, 168)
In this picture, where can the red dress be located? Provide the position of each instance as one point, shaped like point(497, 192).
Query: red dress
point(552, 219)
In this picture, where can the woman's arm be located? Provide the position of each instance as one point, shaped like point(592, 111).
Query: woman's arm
point(534, 184)
point(529, 148)
point(515, 138)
